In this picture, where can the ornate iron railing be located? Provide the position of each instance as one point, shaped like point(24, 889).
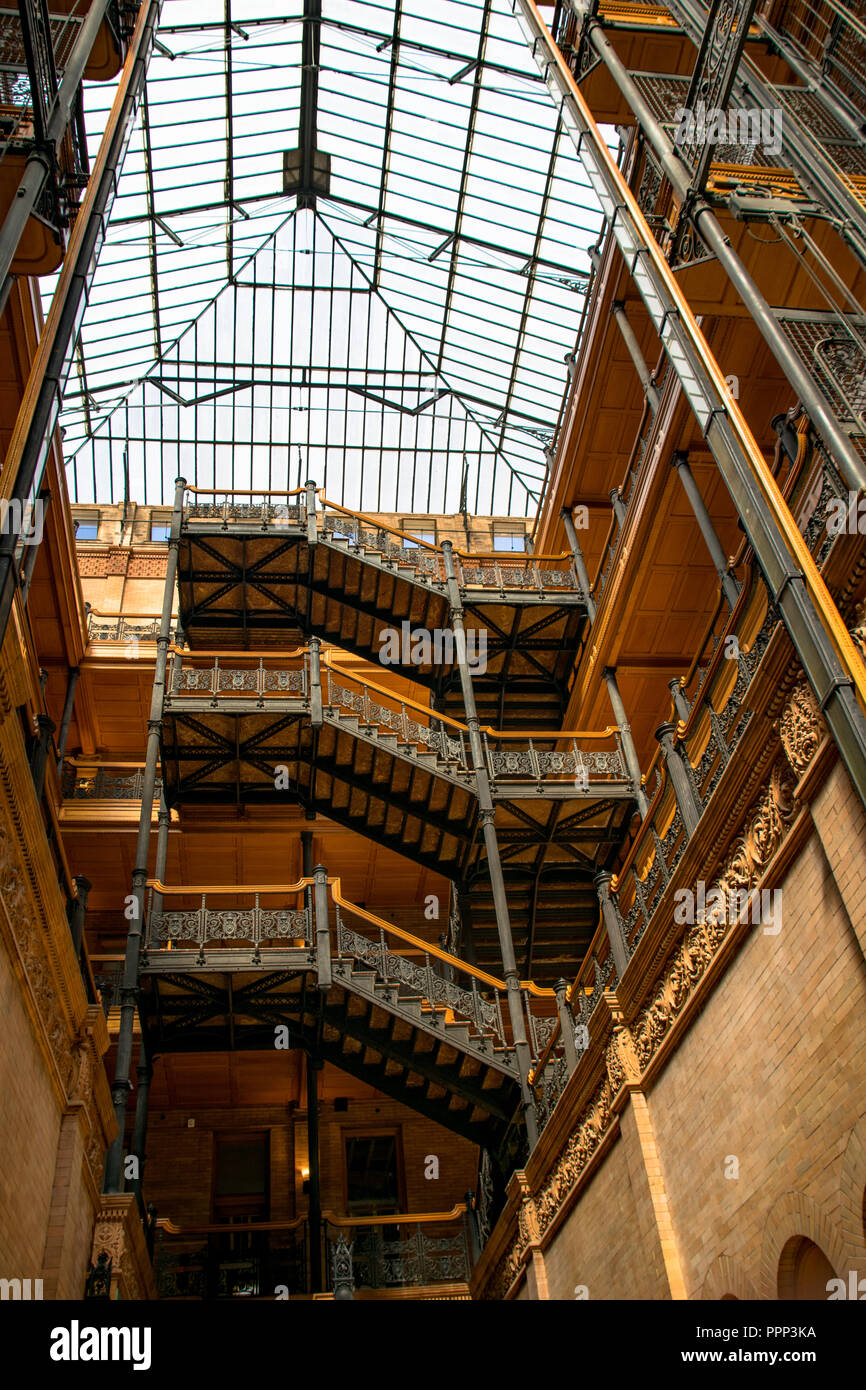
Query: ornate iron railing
point(355, 530)
point(105, 783)
point(409, 1252)
point(481, 1008)
point(259, 1260)
point(123, 627)
point(248, 924)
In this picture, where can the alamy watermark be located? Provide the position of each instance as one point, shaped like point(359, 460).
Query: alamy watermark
point(760, 906)
point(438, 646)
point(23, 519)
point(746, 126)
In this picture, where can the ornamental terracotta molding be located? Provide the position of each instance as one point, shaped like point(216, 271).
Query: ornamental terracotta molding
point(766, 827)
point(119, 1235)
point(582, 1144)
point(801, 727)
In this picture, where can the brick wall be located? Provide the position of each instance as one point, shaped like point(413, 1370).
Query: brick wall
point(179, 1171)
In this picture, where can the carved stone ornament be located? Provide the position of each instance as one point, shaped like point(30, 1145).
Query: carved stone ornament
point(766, 827)
point(858, 631)
point(25, 928)
point(801, 727)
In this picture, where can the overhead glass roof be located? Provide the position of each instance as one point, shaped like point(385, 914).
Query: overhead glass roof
point(393, 321)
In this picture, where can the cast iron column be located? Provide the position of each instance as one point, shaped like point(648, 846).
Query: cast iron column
point(66, 719)
point(628, 748)
point(39, 756)
point(314, 1212)
point(163, 822)
point(579, 562)
point(687, 803)
point(634, 352)
point(615, 936)
point(139, 1134)
point(135, 904)
point(79, 912)
point(730, 587)
point(494, 864)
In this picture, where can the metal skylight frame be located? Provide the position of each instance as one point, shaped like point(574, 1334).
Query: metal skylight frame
point(453, 190)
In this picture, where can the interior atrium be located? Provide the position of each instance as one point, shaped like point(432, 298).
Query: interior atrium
point(432, 639)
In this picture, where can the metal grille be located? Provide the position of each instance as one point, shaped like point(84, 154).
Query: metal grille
point(836, 359)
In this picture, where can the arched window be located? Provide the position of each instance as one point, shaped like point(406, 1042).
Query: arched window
point(804, 1271)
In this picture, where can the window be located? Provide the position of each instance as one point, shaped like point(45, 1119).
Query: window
point(241, 1165)
point(86, 530)
point(509, 540)
point(372, 1174)
point(426, 535)
point(159, 530)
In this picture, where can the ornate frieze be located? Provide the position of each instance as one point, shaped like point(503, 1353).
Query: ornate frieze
point(801, 727)
point(765, 829)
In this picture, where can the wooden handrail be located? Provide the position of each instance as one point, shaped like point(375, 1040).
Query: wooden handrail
point(327, 665)
point(334, 881)
point(419, 943)
point(332, 1218)
point(246, 491)
point(397, 1218)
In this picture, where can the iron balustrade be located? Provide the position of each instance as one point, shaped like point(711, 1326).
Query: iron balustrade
point(546, 760)
point(404, 1252)
point(248, 1260)
point(105, 783)
point(123, 627)
point(481, 1009)
point(271, 512)
point(269, 1259)
point(202, 926)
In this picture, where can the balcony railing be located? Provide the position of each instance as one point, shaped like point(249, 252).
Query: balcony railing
point(105, 782)
point(271, 1259)
point(272, 511)
point(561, 761)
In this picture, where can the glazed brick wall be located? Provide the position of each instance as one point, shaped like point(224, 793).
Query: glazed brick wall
point(772, 1072)
point(29, 1133)
point(608, 1241)
point(840, 820)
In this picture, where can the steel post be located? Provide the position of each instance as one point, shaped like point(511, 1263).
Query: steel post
point(66, 718)
point(494, 863)
point(579, 561)
point(730, 587)
point(628, 748)
point(687, 803)
point(134, 910)
point(612, 925)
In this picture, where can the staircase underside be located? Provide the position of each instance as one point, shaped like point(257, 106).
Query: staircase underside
point(551, 845)
point(204, 1009)
point(274, 592)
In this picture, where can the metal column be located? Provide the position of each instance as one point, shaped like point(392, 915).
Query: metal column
point(135, 904)
point(730, 587)
point(314, 1213)
point(494, 863)
point(66, 719)
point(628, 748)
